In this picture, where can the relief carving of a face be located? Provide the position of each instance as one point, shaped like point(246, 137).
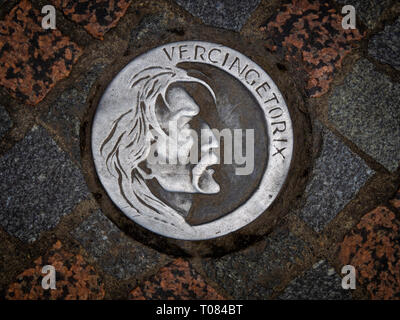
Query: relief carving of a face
point(176, 118)
point(192, 140)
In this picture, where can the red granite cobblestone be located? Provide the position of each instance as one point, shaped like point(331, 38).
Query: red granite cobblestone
point(96, 16)
point(32, 59)
point(373, 248)
point(310, 35)
point(176, 281)
point(75, 279)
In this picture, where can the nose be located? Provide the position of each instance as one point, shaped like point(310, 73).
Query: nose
point(181, 103)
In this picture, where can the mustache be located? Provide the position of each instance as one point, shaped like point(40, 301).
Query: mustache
point(200, 171)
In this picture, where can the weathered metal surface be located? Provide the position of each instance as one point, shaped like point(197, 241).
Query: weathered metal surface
point(153, 109)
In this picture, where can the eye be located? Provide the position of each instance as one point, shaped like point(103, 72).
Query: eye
point(162, 111)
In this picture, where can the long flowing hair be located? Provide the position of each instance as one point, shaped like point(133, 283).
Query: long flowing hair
point(129, 141)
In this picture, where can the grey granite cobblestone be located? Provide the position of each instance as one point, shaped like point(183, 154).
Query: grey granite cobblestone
point(321, 282)
point(66, 112)
point(227, 14)
point(337, 176)
point(117, 254)
point(254, 272)
point(153, 25)
point(385, 46)
point(365, 109)
point(368, 11)
point(38, 185)
point(5, 121)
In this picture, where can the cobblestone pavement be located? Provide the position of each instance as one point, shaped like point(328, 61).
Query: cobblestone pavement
point(347, 214)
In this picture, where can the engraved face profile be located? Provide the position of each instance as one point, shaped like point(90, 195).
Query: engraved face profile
point(175, 115)
point(158, 122)
point(185, 140)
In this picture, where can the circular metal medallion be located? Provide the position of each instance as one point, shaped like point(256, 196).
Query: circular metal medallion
point(192, 140)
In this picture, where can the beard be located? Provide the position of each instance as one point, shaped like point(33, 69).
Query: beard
point(203, 180)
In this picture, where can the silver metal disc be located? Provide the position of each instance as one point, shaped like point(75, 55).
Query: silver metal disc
point(200, 86)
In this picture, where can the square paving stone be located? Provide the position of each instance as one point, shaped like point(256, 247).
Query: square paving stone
point(373, 248)
point(254, 272)
point(154, 25)
point(309, 34)
point(176, 281)
point(227, 14)
point(32, 59)
point(368, 11)
point(366, 110)
point(66, 112)
point(385, 46)
point(38, 185)
point(96, 16)
point(5, 121)
point(75, 279)
point(337, 176)
point(321, 282)
point(116, 253)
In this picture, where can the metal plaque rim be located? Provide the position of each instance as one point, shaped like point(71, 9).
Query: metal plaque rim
point(272, 180)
